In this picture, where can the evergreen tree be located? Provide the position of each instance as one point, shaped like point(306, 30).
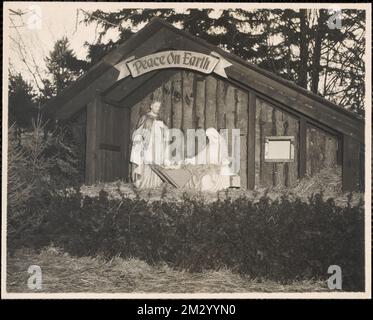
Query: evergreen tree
point(22, 107)
point(63, 66)
point(298, 45)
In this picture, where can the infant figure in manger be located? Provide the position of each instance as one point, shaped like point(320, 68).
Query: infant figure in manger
point(211, 167)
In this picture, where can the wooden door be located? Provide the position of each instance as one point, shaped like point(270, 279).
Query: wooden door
point(107, 142)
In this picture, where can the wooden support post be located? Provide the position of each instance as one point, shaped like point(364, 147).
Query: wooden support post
point(340, 150)
point(242, 119)
point(125, 143)
point(251, 142)
point(302, 147)
point(92, 140)
point(351, 164)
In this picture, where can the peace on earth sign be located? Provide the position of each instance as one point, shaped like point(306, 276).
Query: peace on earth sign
point(173, 59)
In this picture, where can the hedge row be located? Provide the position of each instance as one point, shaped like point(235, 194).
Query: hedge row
point(281, 240)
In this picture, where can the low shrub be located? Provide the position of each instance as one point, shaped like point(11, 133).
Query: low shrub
point(281, 240)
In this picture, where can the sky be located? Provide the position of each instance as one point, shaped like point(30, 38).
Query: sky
point(33, 33)
point(34, 27)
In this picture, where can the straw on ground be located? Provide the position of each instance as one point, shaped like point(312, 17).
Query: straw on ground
point(64, 273)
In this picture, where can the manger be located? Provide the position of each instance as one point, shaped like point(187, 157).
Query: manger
point(158, 156)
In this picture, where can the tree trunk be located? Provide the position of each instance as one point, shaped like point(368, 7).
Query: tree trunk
point(319, 37)
point(303, 46)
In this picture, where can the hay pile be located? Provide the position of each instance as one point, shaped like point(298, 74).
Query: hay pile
point(64, 273)
point(115, 190)
point(328, 182)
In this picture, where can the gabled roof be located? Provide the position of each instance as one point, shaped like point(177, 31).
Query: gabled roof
point(159, 35)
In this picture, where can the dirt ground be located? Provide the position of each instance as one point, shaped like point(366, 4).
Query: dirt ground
point(64, 273)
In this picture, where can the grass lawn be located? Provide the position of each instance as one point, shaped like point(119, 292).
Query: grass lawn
point(64, 273)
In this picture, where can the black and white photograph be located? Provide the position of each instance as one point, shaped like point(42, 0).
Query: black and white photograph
point(162, 150)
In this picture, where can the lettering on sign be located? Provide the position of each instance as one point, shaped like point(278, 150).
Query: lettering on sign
point(173, 59)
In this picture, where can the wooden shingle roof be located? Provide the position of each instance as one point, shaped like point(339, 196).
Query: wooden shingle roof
point(159, 35)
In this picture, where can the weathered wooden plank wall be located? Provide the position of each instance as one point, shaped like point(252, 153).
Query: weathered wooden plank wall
point(188, 100)
point(192, 101)
point(166, 111)
point(124, 129)
point(321, 150)
point(270, 121)
point(177, 101)
point(200, 93)
point(242, 116)
point(93, 133)
point(351, 164)
point(113, 142)
point(107, 141)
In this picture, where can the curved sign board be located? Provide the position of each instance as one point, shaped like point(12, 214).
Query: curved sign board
point(173, 59)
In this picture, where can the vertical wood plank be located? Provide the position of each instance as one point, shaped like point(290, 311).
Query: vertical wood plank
point(221, 92)
point(258, 140)
point(242, 124)
point(92, 138)
point(166, 103)
point(188, 100)
point(280, 178)
point(112, 163)
point(351, 164)
point(194, 111)
point(340, 150)
point(242, 111)
point(200, 102)
point(105, 139)
point(322, 150)
point(135, 112)
point(90, 143)
point(109, 135)
point(253, 143)
point(177, 102)
point(115, 155)
point(292, 168)
point(119, 134)
point(302, 147)
point(157, 94)
point(230, 105)
point(210, 114)
point(125, 143)
point(331, 147)
point(266, 129)
point(102, 139)
point(310, 143)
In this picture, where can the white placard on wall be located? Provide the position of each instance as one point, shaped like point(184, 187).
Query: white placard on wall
point(279, 149)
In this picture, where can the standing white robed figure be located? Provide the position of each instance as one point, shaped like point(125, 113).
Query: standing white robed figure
point(148, 148)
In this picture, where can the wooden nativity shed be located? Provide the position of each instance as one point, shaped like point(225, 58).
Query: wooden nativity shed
point(286, 132)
